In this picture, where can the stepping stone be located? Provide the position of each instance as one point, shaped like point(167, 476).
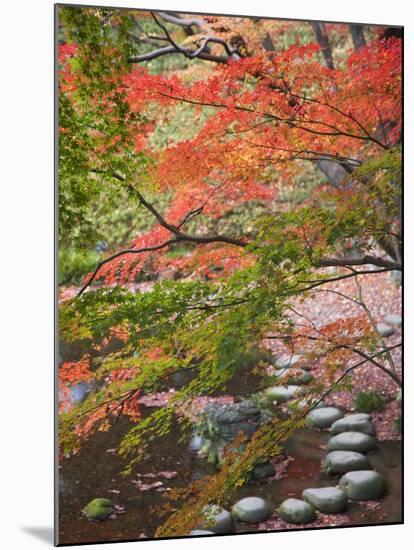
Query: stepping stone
point(287, 360)
point(296, 511)
point(99, 509)
point(281, 394)
point(396, 276)
point(324, 418)
point(263, 471)
point(300, 405)
point(251, 510)
point(294, 376)
point(363, 485)
point(306, 367)
point(196, 443)
point(362, 416)
point(197, 532)
point(393, 319)
point(305, 377)
point(328, 500)
point(385, 330)
point(217, 519)
point(352, 441)
point(354, 423)
point(340, 462)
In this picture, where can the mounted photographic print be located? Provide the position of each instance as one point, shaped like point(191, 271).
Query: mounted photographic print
point(229, 250)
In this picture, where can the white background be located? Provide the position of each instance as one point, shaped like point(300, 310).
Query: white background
point(26, 271)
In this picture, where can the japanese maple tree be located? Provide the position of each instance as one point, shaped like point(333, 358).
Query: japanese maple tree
point(260, 115)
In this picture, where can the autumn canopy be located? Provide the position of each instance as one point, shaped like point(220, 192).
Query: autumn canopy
point(231, 170)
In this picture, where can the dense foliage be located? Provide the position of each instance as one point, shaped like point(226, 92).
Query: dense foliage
point(253, 172)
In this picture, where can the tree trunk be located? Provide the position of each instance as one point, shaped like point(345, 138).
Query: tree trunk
point(357, 32)
point(322, 37)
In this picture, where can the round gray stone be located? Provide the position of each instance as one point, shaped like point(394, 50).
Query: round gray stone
point(306, 366)
point(294, 510)
point(393, 319)
point(385, 330)
point(353, 423)
point(396, 276)
point(287, 360)
point(352, 441)
point(340, 462)
point(196, 532)
point(305, 377)
point(328, 500)
point(294, 376)
point(302, 404)
point(196, 443)
point(251, 510)
point(324, 418)
point(263, 471)
point(361, 416)
point(363, 485)
point(281, 394)
point(217, 519)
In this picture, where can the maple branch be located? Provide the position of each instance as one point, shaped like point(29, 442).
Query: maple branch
point(368, 358)
point(184, 237)
point(167, 50)
point(291, 122)
point(196, 211)
point(232, 52)
point(364, 260)
point(191, 214)
point(316, 154)
point(372, 360)
point(338, 293)
point(121, 398)
point(206, 40)
point(372, 320)
point(333, 108)
point(323, 336)
point(122, 253)
point(170, 18)
point(201, 52)
point(320, 282)
point(317, 159)
point(391, 373)
point(147, 39)
point(175, 230)
point(180, 236)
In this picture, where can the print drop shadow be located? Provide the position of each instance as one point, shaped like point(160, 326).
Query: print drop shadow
point(43, 533)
